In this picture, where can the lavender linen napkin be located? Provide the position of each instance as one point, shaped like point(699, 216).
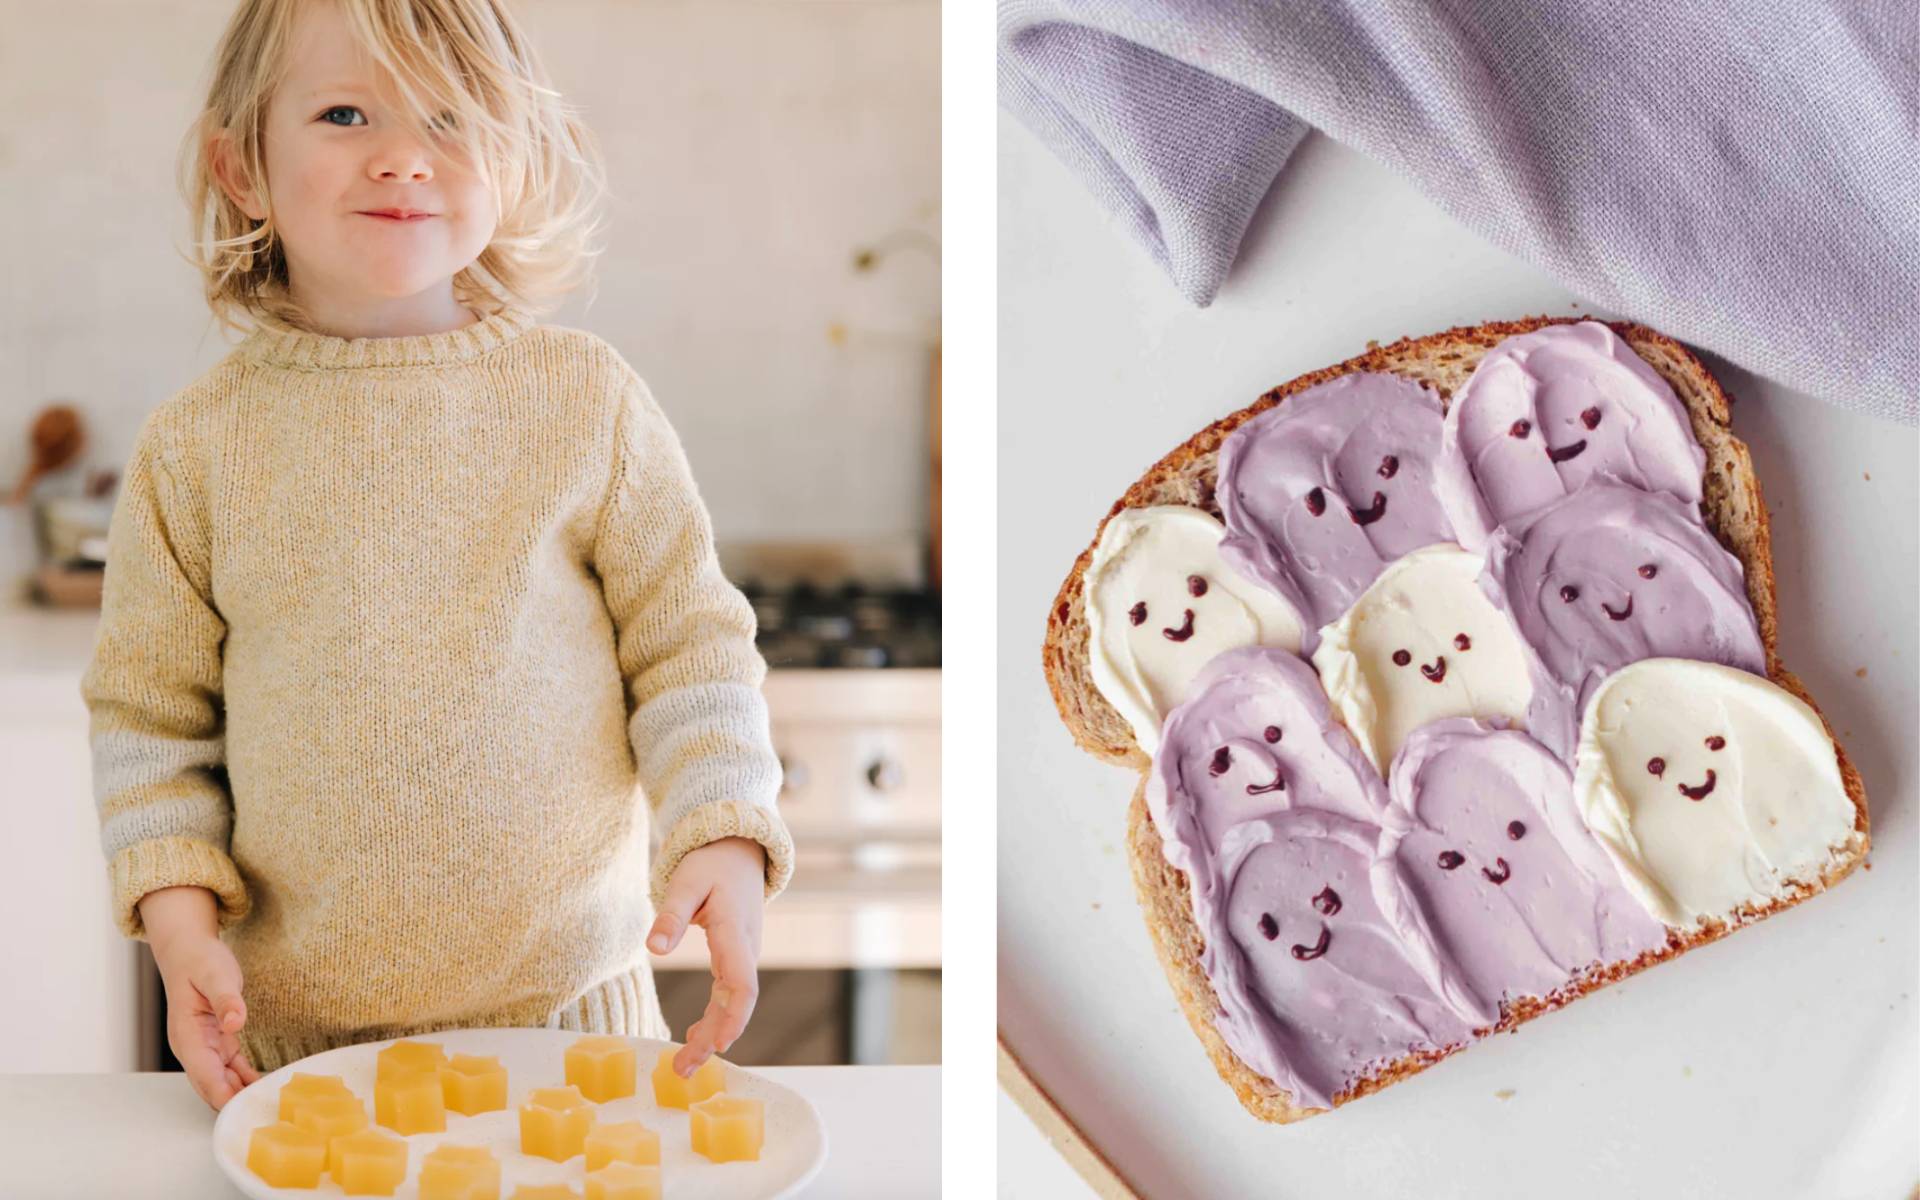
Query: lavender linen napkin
point(1745, 176)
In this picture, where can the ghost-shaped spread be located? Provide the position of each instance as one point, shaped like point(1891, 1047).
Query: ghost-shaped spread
point(1711, 787)
point(1161, 602)
point(1607, 576)
point(1322, 491)
point(1423, 642)
point(1516, 890)
point(1319, 957)
point(1546, 411)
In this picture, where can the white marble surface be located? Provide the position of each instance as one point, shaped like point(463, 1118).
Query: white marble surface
point(1778, 1063)
point(883, 1134)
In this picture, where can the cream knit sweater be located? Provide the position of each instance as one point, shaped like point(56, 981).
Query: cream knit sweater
point(396, 634)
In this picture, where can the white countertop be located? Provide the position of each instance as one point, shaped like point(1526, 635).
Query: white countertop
point(1777, 1063)
point(90, 1137)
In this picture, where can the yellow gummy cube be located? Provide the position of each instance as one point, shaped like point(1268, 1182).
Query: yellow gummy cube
point(367, 1162)
point(601, 1067)
point(331, 1117)
point(410, 1102)
point(473, 1084)
point(460, 1173)
point(728, 1128)
point(544, 1191)
point(624, 1181)
point(622, 1141)
point(286, 1155)
point(671, 1091)
point(303, 1087)
point(554, 1123)
point(404, 1058)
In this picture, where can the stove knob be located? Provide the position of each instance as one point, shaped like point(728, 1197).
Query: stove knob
point(793, 775)
point(885, 775)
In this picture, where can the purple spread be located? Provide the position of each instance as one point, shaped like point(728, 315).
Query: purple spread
point(1319, 958)
point(1546, 411)
point(1608, 576)
point(1320, 492)
point(1543, 900)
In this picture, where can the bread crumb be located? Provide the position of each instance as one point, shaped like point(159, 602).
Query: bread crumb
point(1859, 674)
point(1096, 906)
point(1503, 1094)
point(1867, 475)
point(1687, 1072)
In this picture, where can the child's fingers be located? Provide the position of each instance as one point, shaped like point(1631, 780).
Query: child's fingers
point(676, 910)
point(246, 1069)
point(204, 1069)
point(736, 988)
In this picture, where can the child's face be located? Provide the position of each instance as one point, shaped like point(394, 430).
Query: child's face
point(335, 149)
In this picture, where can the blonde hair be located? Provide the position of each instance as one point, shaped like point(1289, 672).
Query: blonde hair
point(463, 57)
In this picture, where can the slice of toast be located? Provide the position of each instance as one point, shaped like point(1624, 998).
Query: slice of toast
point(1733, 511)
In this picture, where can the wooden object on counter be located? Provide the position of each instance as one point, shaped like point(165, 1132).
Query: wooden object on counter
point(68, 587)
point(1058, 1128)
point(57, 436)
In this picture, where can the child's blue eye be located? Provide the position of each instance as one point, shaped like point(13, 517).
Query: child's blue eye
point(336, 109)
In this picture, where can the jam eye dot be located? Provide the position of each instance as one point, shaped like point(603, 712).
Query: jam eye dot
point(1515, 830)
point(1269, 928)
point(1196, 586)
point(1591, 418)
point(1569, 593)
point(1656, 767)
point(1462, 642)
point(1316, 502)
point(1388, 466)
point(1138, 613)
point(1648, 571)
point(1222, 759)
point(1449, 859)
point(1273, 734)
point(1716, 742)
point(1401, 658)
point(1520, 428)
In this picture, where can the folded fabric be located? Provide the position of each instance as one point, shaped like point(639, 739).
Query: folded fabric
point(1744, 176)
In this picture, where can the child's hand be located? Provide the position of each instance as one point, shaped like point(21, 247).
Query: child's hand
point(721, 887)
point(202, 981)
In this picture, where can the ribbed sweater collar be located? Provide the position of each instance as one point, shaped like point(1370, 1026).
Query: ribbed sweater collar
point(283, 345)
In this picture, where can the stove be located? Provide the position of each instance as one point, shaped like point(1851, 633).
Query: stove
point(851, 625)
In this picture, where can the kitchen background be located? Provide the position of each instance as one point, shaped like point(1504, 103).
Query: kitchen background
point(772, 269)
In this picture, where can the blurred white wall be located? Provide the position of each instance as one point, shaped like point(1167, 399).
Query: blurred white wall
point(752, 146)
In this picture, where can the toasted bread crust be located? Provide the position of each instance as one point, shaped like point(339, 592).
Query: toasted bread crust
point(1734, 511)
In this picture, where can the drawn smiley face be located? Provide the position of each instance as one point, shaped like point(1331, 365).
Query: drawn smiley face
point(1255, 736)
point(1422, 643)
point(1322, 491)
point(1608, 576)
point(1544, 412)
point(1518, 892)
point(1161, 603)
point(1710, 786)
point(1313, 916)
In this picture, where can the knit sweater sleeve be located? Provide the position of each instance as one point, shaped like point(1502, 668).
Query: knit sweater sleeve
point(153, 694)
point(684, 639)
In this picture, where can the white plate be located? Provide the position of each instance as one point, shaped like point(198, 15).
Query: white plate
point(796, 1142)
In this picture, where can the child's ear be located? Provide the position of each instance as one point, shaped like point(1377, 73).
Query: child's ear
point(227, 173)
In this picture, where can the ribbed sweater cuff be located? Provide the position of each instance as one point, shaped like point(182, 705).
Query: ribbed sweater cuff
point(173, 862)
point(710, 823)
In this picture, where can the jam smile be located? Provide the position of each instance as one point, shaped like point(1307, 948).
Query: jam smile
point(1181, 634)
point(1563, 453)
point(1699, 793)
point(1623, 614)
point(1436, 672)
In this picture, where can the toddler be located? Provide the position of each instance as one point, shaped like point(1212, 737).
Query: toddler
point(409, 595)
